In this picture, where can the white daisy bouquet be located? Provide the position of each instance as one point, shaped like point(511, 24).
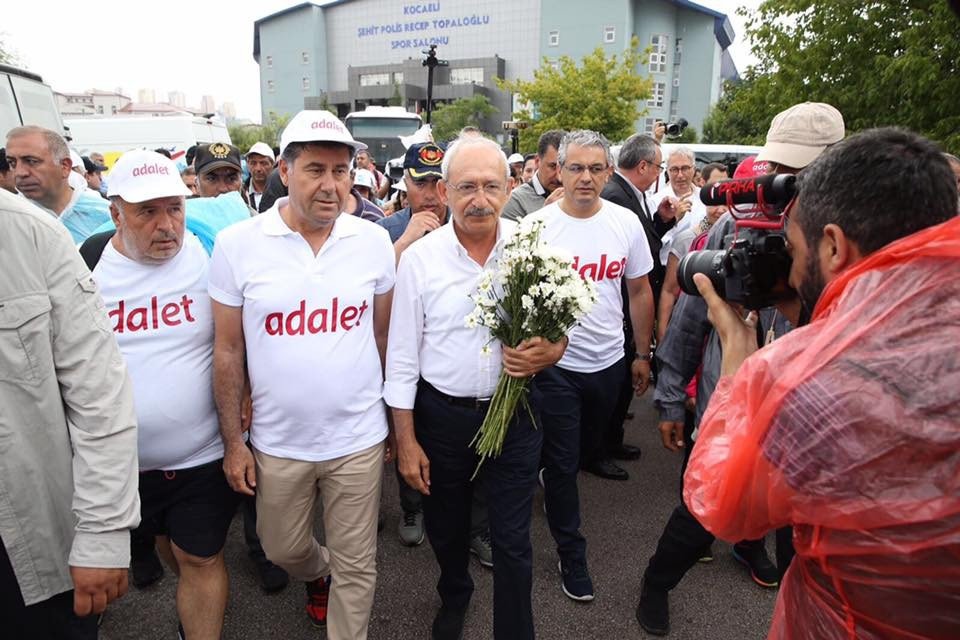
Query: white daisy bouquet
point(534, 291)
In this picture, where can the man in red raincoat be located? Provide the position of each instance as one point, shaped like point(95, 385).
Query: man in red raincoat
point(848, 429)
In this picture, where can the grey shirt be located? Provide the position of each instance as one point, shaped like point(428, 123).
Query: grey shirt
point(525, 199)
point(68, 437)
point(690, 340)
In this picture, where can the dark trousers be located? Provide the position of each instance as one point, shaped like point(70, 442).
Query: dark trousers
point(411, 500)
point(684, 539)
point(613, 437)
point(52, 619)
point(569, 400)
point(444, 428)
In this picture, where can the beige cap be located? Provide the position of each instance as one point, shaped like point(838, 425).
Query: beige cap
point(801, 133)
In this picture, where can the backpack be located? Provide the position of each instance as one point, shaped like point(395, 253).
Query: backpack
point(92, 248)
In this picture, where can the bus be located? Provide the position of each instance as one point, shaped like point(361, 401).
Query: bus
point(380, 129)
point(26, 100)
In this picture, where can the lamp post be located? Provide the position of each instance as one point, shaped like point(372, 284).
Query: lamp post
point(431, 62)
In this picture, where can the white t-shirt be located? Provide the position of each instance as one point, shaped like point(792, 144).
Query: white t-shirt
point(161, 318)
point(607, 247)
point(308, 323)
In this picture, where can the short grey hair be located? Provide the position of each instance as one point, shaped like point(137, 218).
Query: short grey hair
point(638, 148)
point(686, 152)
point(584, 138)
point(55, 142)
point(469, 140)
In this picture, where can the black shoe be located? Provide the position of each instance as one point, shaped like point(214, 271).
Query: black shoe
point(272, 577)
point(448, 624)
point(608, 470)
point(626, 452)
point(653, 611)
point(754, 557)
point(146, 569)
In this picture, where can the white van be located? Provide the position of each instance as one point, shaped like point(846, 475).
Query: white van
point(113, 135)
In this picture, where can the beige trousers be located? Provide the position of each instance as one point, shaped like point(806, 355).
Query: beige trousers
point(349, 487)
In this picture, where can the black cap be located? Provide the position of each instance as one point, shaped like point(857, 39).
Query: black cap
point(423, 160)
point(92, 167)
point(216, 155)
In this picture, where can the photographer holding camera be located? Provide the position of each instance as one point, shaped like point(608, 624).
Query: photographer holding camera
point(795, 138)
point(846, 429)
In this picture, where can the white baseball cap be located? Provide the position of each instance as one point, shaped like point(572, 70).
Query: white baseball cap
point(363, 178)
point(514, 158)
point(400, 185)
point(262, 149)
point(142, 175)
point(317, 126)
point(801, 133)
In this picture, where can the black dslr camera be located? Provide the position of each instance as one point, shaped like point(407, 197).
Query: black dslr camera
point(753, 271)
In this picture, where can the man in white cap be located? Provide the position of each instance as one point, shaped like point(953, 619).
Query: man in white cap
point(42, 166)
point(307, 315)
point(153, 279)
point(516, 163)
point(795, 138)
point(260, 161)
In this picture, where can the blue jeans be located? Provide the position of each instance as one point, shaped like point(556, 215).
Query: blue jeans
point(570, 399)
point(444, 428)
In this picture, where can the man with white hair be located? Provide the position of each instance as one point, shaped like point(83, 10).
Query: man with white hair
point(610, 247)
point(682, 196)
point(439, 384)
point(41, 164)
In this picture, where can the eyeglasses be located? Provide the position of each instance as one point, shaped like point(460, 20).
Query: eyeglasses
point(594, 169)
point(675, 170)
point(469, 189)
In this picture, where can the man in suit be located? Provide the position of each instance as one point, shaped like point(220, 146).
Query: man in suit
point(638, 167)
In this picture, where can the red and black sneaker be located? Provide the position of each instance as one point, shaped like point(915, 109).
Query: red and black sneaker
point(318, 592)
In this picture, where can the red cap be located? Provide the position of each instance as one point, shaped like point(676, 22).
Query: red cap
point(750, 167)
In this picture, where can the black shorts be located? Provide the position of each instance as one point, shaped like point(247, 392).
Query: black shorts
point(192, 506)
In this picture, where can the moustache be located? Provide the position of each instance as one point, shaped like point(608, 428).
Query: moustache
point(479, 212)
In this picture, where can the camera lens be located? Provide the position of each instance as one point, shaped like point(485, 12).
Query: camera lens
point(709, 263)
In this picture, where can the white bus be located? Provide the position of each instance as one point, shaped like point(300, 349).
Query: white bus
point(380, 129)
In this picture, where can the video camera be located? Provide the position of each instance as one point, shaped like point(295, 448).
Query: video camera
point(675, 129)
point(753, 271)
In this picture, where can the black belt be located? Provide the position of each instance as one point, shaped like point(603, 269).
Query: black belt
point(468, 403)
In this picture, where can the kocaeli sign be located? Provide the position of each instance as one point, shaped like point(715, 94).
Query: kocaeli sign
point(415, 29)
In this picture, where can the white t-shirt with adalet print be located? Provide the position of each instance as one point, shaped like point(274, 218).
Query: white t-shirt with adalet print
point(607, 247)
point(162, 320)
point(312, 356)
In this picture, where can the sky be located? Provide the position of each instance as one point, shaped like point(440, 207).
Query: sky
point(196, 47)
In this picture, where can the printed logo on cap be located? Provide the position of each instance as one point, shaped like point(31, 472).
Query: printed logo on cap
point(219, 150)
point(431, 156)
point(328, 124)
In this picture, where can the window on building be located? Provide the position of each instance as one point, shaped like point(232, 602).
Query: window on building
point(270, 86)
point(648, 125)
point(398, 77)
point(554, 39)
point(656, 97)
point(269, 62)
point(470, 75)
point(113, 109)
point(305, 83)
point(678, 51)
point(100, 109)
point(305, 57)
point(658, 53)
point(609, 35)
point(374, 79)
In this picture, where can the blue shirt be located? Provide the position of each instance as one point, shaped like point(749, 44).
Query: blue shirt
point(397, 223)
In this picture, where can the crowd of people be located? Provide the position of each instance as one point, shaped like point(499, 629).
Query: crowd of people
point(269, 331)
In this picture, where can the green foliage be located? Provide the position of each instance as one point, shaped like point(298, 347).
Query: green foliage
point(7, 55)
point(880, 63)
point(448, 119)
point(599, 93)
point(689, 136)
point(244, 136)
point(396, 100)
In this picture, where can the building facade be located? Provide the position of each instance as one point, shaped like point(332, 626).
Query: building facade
point(349, 54)
point(91, 103)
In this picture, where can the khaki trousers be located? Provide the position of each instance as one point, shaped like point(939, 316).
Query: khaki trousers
point(287, 493)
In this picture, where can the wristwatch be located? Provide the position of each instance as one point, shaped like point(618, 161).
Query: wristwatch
point(646, 357)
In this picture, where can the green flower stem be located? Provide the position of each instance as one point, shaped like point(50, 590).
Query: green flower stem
point(488, 442)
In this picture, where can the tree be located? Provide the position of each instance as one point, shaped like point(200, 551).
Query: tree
point(396, 100)
point(600, 93)
point(880, 63)
point(448, 119)
point(244, 136)
point(7, 55)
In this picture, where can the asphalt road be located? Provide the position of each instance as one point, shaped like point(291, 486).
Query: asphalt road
point(622, 522)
